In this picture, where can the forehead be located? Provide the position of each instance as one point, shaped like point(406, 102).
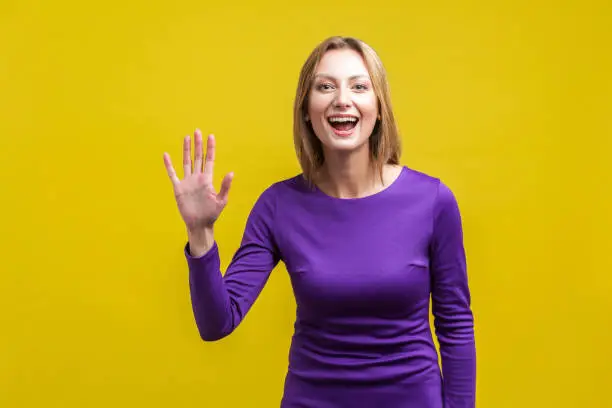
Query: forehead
point(342, 63)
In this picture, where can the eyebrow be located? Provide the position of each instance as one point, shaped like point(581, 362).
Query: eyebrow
point(328, 76)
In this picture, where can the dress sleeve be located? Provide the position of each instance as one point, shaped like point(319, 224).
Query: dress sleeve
point(220, 302)
point(451, 303)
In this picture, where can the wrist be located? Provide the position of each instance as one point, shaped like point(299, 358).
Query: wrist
point(200, 241)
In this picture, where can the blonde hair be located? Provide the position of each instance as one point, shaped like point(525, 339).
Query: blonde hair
point(384, 142)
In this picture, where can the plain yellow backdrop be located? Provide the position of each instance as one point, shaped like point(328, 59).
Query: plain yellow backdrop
point(507, 102)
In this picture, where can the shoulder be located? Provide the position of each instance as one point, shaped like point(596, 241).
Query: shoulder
point(422, 182)
point(420, 177)
point(282, 191)
point(286, 188)
point(438, 193)
point(264, 213)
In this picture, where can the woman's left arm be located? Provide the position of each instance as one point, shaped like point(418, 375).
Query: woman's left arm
point(451, 303)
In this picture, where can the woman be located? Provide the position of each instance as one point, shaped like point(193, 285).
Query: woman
point(365, 240)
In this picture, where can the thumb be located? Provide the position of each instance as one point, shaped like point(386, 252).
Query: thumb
point(225, 187)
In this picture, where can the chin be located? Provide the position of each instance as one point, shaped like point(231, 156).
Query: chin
point(345, 143)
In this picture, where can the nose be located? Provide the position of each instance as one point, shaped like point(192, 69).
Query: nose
point(342, 98)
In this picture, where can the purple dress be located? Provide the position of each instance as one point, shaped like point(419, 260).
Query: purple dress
point(362, 271)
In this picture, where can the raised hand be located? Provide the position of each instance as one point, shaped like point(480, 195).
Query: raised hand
point(198, 202)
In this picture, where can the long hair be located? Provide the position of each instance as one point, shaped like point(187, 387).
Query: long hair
point(384, 142)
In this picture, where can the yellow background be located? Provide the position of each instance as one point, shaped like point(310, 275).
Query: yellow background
point(507, 102)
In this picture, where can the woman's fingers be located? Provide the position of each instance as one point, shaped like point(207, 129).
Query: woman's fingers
point(200, 164)
point(209, 164)
point(225, 187)
point(170, 170)
point(187, 156)
point(197, 165)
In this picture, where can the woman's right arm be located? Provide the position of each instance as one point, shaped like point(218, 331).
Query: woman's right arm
point(220, 302)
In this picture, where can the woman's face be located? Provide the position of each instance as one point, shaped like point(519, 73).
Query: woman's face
point(342, 105)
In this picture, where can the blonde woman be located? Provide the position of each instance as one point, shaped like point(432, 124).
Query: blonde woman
point(366, 242)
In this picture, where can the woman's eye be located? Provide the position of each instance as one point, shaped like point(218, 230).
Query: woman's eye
point(324, 87)
point(361, 87)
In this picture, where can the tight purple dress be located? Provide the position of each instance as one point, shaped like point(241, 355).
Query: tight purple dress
point(363, 272)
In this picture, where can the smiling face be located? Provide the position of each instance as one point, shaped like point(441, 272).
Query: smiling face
point(343, 76)
point(342, 105)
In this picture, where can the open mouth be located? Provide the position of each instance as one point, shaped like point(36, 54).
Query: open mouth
point(343, 123)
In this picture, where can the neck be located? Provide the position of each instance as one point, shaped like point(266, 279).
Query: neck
point(349, 175)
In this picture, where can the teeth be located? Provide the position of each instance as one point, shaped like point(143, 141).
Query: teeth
point(339, 119)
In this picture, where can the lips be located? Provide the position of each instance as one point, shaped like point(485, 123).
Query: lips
point(343, 123)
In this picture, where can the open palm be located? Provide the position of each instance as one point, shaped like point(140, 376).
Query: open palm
point(198, 202)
